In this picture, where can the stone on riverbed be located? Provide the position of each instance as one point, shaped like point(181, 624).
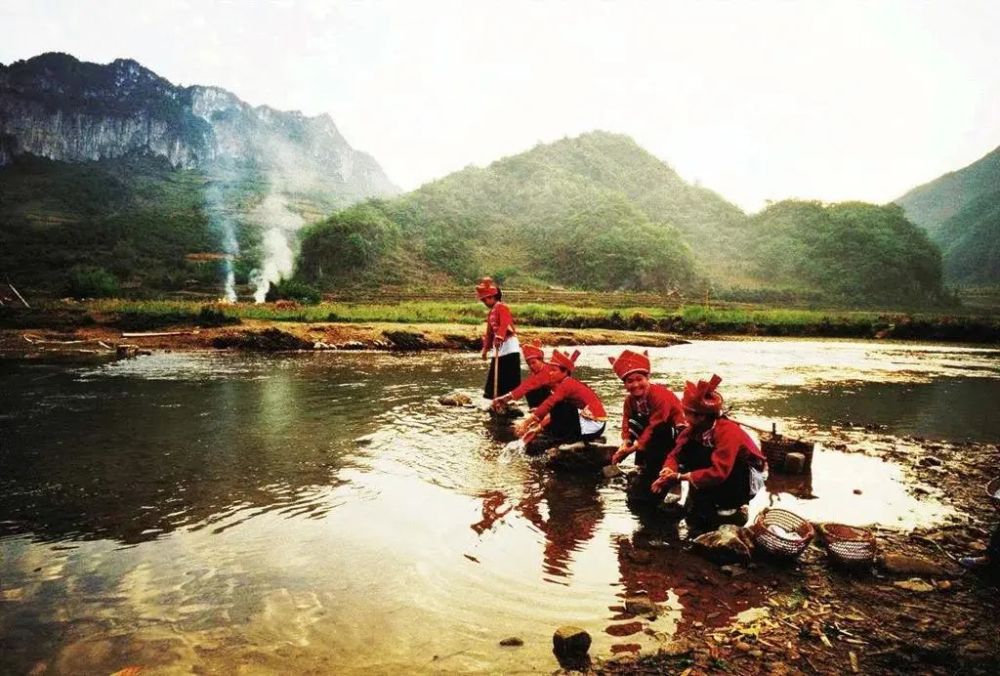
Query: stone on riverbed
point(455, 399)
point(641, 604)
point(580, 457)
point(570, 645)
point(728, 544)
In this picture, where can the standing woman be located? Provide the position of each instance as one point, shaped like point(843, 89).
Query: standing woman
point(499, 342)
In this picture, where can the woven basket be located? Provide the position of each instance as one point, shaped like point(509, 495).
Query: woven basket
point(992, 490)
point(848, 545)
point(777, 447)
point(776, 544)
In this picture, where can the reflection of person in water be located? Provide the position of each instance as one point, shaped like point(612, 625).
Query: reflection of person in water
point(573, 511)
point(723, 466)
point(650, 418)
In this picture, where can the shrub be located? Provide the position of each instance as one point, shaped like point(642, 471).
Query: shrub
point(91, 282)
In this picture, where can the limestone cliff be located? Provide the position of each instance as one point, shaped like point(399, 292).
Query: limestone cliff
point(57, 107)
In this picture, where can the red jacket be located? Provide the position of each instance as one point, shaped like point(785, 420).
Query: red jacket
point(533, 382)
point(729, 443)
point(660, 404)
point(576, 393)
point(499, 323)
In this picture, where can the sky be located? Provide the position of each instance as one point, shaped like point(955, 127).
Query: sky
point(757, 100)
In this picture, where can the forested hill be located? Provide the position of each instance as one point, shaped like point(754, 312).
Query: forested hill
point(961, 213)
point(598, 211)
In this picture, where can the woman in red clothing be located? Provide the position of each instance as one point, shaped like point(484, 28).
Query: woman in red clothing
point(721, 463)
point(537, 387)
point(583, 420)
point(650, 420)
point(499, 342)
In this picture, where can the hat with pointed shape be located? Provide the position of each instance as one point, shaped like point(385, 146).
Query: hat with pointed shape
point(629, 362)
point(567, 361)
point(532, 351)
point(486, 288)
point(702, 398)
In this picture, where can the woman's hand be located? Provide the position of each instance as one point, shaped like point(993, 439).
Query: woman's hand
point(523, 427)
point(667, 477)
point(483, 354)
point(500, 402)
point(623, 452)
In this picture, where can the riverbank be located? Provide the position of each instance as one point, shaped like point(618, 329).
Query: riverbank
point(916, 612)
point(96, 326)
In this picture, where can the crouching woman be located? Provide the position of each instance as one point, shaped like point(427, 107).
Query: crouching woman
point(573, 412)
point(723, 466)
point(651, 417)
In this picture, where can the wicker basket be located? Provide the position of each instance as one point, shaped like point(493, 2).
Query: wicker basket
point(848, 545)
point(777, 447)
point(773, 543)
point(993, 490)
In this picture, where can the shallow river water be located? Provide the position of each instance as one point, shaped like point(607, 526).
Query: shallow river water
point(322, 513)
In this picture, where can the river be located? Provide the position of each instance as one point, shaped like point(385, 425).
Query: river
point(322, 513)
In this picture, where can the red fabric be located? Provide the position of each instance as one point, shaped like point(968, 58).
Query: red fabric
point(486, 288)
point(702, 398)
point(662, 406)
point(729, 443)
point(567, 361)
point(630, 362)
point(533, 382)
point(532, 351)
point(499, 324)
point(576, 393)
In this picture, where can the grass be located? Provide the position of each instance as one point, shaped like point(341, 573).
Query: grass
point(682, 319)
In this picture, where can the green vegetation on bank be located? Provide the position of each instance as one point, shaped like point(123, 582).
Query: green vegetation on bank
point(683, 319)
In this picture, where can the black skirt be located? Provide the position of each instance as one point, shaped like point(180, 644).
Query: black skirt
point(510, 375)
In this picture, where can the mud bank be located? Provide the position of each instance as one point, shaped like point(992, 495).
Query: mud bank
point(61, 340)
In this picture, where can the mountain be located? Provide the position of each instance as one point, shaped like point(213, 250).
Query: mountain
point(57, 107)
point(600, 212)
point(961, 213)
point(112, 166)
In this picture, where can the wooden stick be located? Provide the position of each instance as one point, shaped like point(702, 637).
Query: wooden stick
point(496, 369)
point(18, 295)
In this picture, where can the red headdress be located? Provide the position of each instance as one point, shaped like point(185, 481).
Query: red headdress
point(702, 398)
point(630, 362)
point(486, 288)
point(567, 361)
point(532, 351)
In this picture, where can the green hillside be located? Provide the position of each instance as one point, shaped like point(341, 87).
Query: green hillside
point(152, 227)
point(961, 213)
point(599, 212)
point(853, 251)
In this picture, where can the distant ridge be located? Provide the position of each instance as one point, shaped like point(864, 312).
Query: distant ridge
point(961, 212)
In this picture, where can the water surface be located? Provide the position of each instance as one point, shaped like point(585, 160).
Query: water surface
point(321, 512)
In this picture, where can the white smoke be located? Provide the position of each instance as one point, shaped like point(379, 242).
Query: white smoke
point(278, 259)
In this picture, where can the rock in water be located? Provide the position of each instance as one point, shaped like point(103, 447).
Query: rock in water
point(581, 456)
point(455, 399)
point(570, 645)
point(729, 544)
point(513, 641)
point(916, 584)
point(641, 604)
